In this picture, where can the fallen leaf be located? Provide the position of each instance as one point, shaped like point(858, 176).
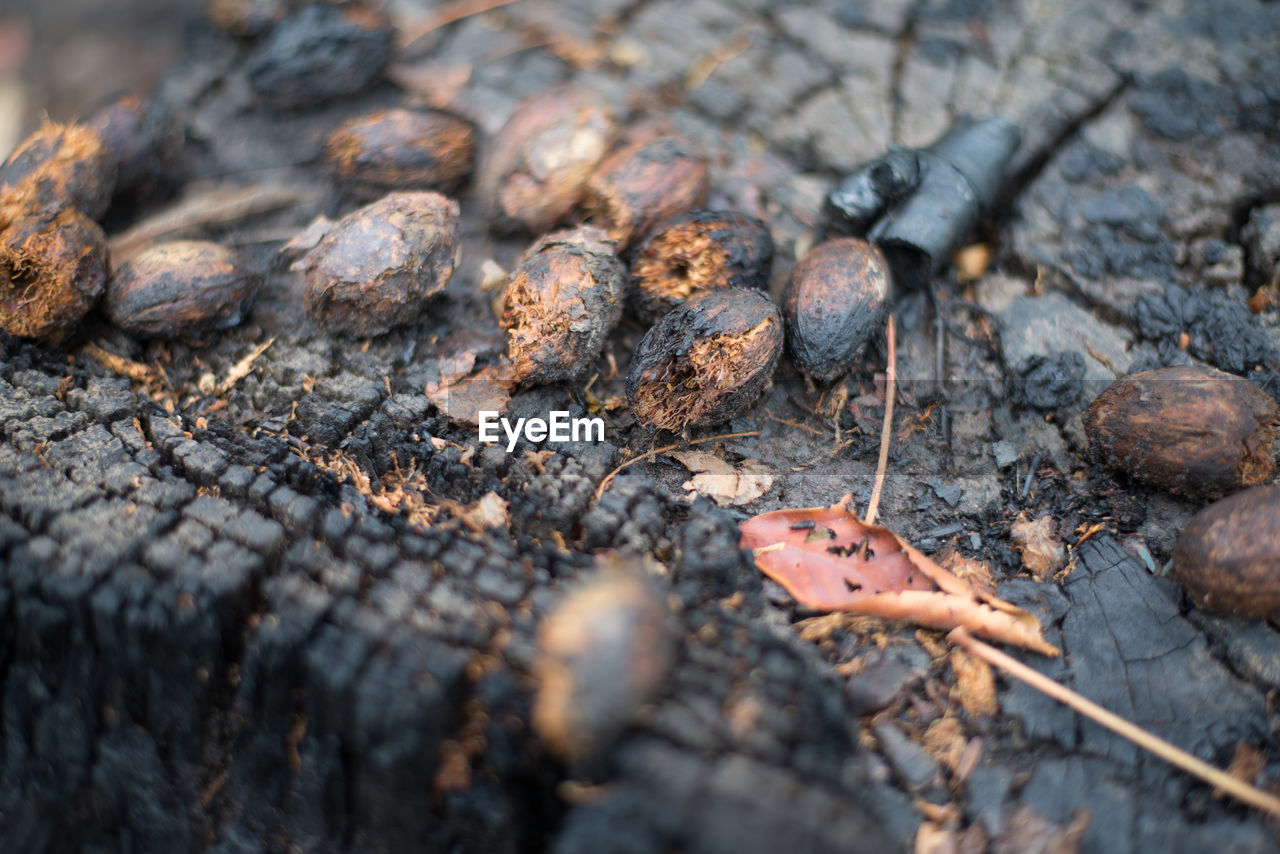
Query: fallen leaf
point(723, 483)
point(829, 560)
point(1041, 550)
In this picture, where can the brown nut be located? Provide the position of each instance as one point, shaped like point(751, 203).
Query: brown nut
point(705, 361)
point(141, 139)
point(57, 166)
point(561, 303)
point(178, 287)
point(602, 653)
point(377, 267)
point(644, 183)
point(536, 168)
point(834, 303)
point(52, 271)
point(695, 253)
point(1190, 430)
point(1228, 557)
point(399, 149)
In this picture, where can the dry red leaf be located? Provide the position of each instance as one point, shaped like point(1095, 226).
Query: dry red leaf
point(829, 560)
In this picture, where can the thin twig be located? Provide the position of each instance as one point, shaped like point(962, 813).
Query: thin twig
point(1173, 755)
point(215, 207)
point(241, 369)
point(608, 479)
point(447, 14)
point(886, 432)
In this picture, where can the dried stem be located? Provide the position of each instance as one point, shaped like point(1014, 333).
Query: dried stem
point(221, 206)
point(1173, 755)
point(447, 14)
point(886, 432)
point(241, 369)
point(608, 479)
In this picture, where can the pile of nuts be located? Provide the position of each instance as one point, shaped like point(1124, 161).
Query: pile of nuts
point(54, 186)
point(627, 206)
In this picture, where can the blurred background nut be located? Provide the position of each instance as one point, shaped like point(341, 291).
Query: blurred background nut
point(560, 303)
point(537, 166)
point(1190, 430)
point(695, 253)
point(142, 139)
point(320, 53)
point(705, 361)
point(1228, 557)
point(602, 654)
point(644, 183)
point(57, 166)
point(179, 287)
point(52, 271)
point(834, 303)
point(399, 149)
point(376, 268)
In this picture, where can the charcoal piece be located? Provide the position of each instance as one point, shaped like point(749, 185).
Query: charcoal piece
point(871, 189)
point(961, 178)
point(319, 53)
point(1218, 329)
point(628, 516)
point(1123, 639)
point(708, 558)
point(1048, 383)
point(1261, 239)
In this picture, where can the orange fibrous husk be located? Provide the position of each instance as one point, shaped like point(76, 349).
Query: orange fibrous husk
point(829, 560)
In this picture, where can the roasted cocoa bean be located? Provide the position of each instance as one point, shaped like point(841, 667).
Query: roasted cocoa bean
point(52, 271)
point(399, 149)
point(695, 253)
point(705, 361)
point(536, 169)
point(178, 287)
point(1189, 430)
point(376, 268)
point(561, 303)
point(644, 183)
point(57, 166)
point(834, 303)
point(1228, 557)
